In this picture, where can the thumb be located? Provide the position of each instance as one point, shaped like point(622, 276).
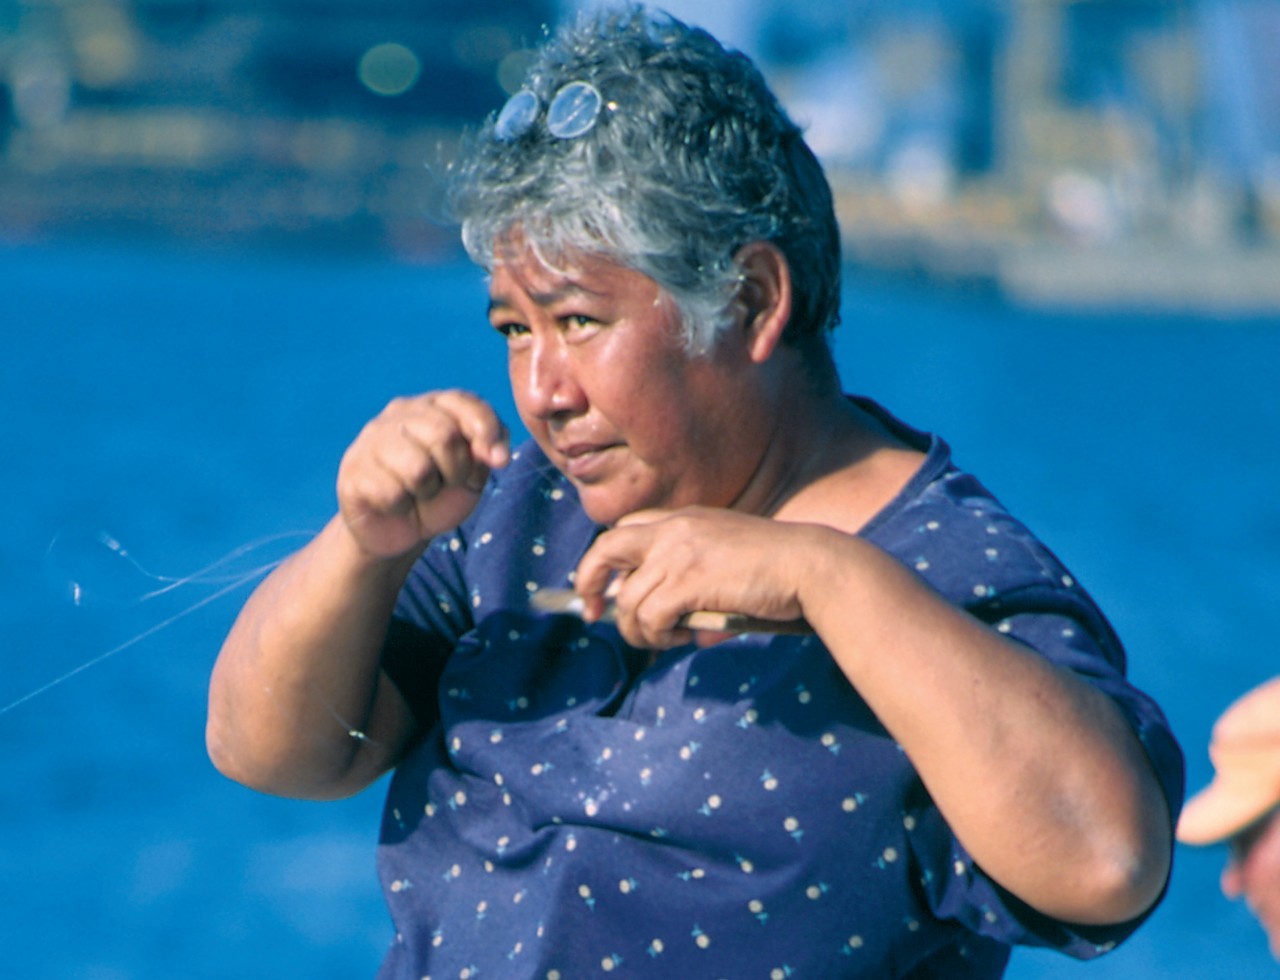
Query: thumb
point(637, 518)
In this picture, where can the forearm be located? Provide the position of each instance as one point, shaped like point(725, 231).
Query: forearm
point(1037, 772)
point(298, 704)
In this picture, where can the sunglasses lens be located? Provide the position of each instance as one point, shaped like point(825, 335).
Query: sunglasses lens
point(516, 116)
point(573, 111)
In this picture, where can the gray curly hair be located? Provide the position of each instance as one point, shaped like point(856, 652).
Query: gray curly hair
point(691, 159)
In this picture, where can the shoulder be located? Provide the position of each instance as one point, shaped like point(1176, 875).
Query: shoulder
point(959, 537)
point(946, 524)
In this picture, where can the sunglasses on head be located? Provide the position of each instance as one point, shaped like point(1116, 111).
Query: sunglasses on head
point(572, 112)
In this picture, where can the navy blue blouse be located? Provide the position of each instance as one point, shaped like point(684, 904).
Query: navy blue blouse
point(735, 811)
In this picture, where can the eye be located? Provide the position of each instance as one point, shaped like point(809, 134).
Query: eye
point(580, 327)
point(511, 330)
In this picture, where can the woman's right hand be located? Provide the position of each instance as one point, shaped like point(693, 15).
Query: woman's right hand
point(417, 470)
point(298, 702)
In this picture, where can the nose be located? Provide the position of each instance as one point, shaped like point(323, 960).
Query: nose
point(1232, 880)
point(544, 379)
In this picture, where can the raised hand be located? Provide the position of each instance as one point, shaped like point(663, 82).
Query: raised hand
point(417, 469)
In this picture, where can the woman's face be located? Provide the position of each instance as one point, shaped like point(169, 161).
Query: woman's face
point(602, 380)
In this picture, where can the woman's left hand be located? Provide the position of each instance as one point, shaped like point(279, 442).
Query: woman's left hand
point(658, 565)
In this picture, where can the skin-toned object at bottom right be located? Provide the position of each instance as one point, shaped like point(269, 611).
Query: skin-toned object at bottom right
point(1241, 805)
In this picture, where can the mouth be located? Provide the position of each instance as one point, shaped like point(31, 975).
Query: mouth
point(586, 462)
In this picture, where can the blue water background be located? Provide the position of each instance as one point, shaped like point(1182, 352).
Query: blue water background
point(191, 403)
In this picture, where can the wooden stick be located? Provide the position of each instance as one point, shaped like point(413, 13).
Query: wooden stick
point(567, 601)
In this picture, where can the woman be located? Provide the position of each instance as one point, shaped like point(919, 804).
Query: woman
point(948, 762)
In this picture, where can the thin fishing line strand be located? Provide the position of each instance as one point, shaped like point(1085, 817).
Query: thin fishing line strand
point(108, 541)
point(547, 471)
point(200, 575)
point(150, 631)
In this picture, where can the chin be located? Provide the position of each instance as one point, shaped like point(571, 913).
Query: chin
point(608, 508)
point(604, 513)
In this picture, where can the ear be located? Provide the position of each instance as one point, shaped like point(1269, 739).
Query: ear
point(764, 297)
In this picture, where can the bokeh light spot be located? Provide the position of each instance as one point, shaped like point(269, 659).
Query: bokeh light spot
point(512, 69)
point(389, 69)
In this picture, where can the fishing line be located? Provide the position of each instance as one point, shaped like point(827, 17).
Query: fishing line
point(91, 568)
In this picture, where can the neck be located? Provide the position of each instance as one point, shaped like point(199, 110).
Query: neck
point(813, 435)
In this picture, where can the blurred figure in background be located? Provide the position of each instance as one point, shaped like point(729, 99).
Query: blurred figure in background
point(1241, 806)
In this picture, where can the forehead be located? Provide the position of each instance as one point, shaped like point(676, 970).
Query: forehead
point(524, 271)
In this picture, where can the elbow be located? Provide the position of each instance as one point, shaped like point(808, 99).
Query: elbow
point(331, 772)
point(1125, 890)
point(221, 754)
point(1105, 865)
point(231, 760)
point(231, 741)
point(246, 750)
point(236, 756)
point(1123, 879)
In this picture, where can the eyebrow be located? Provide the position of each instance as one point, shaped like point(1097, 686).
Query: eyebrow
point(547, 298)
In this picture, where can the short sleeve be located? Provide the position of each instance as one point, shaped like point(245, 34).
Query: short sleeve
point(430, 615)
point(956, 889)
point(963, 544)
point(954, 886)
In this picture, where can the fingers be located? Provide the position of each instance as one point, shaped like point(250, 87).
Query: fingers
point(427, 451)
point(487, 437)
point(621, 566)
point(660, 566)
point(417, 469)
point(638, 517)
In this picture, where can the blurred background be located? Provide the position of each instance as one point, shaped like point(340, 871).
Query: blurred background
point(221, 250)
point(1094, 150)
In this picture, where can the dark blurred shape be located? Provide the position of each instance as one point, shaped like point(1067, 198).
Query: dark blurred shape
point(460, 44)
point(1095, 152)
point(308, 121)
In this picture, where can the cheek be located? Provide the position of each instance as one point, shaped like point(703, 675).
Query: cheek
point(1264, 858)
point(640, 400)
point(518, 380)
point(1257, 877)
point(659, 394)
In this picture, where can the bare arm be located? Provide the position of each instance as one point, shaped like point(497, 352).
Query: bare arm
point(1036, 771)
point(299, 674)
point(298, 702)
